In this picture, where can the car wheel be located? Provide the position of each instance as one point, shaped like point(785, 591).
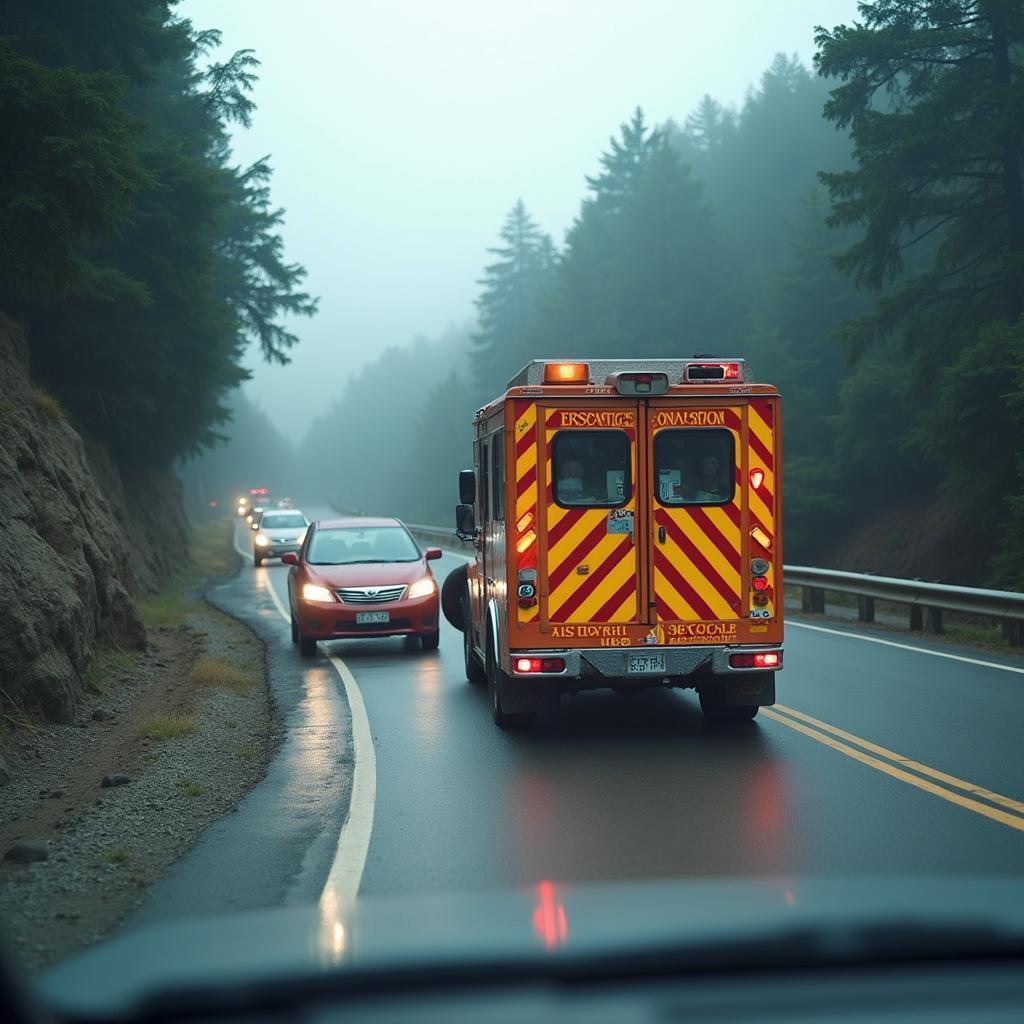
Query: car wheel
point(307, 646)
point(257, 560)
point(715, 708)
point(475, 672)
point(295, 631)
point(430, 641)
point(497, 681)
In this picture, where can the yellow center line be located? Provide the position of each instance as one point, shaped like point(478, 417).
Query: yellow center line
point(1003, 817)
point(906, 762)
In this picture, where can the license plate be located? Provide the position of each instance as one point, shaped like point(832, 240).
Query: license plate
point(373, 617)
point(645, 664)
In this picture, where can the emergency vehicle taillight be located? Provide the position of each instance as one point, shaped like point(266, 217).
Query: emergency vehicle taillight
point(761, 537)
point(759, 583)
point(764, 659)
point(756, 478)
point(524, 666)
point(566, 373)
point(698, 373)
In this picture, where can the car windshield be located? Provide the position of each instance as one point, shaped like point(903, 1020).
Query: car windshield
point(362, 544)
point(282, 521)
point(511, 447)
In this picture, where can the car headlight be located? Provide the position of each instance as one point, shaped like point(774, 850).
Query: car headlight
point(423, 587)
point(313, 592)
point(262, 540)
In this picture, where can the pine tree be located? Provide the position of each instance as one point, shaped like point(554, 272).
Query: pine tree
point(932, 95)
point(511, 289)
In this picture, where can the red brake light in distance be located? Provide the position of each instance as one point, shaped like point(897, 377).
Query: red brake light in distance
point(524, 666)
point(763, 659)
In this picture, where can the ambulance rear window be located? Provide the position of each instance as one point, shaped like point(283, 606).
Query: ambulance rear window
point(694, 467)
point(591, 468)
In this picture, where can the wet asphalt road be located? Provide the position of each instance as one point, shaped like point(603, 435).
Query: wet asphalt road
point(626, 787)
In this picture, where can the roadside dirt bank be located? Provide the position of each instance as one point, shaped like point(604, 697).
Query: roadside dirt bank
point(183, 730)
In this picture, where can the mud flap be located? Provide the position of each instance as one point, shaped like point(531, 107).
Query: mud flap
point(747, 688)
point(519, 696)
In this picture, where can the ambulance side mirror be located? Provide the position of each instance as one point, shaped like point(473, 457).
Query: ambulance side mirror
point(467, 486)
point(465, 522)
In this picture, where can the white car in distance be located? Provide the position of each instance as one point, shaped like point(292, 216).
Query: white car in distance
point(279, 531)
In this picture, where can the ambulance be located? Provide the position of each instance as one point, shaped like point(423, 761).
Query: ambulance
point(625, 520)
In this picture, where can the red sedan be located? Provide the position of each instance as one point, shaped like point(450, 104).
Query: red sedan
point(361, 577)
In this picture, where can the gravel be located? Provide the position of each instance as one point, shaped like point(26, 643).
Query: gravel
point(111, 840)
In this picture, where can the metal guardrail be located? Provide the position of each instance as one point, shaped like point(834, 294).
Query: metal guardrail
point(926, 601)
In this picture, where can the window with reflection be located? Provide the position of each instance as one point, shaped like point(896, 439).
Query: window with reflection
point(694, 467)
point(591, 468)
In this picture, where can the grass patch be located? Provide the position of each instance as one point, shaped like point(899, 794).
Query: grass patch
point(210, 555)
point(167, 727)
point(118, 855)
point(220, 674)
point(105, 665)
point(167, 608)
point(48, 405)
point(190, 788)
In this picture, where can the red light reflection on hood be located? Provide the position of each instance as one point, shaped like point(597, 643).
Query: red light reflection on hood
point(549, 920)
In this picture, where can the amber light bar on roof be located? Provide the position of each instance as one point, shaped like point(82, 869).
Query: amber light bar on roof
point(566, 373)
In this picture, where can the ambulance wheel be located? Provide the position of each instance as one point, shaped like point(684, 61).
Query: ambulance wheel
point(497, 681)
point(715, 708)
point(475, 672)
point(430, 641)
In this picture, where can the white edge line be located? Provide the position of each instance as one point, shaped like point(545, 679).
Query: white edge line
point(906, 647)
point(346, 872)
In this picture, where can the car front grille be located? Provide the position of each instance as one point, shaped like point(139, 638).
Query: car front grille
point(371, 595)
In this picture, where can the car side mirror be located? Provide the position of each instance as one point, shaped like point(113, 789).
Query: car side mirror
point(289, 558)
point(432, 553)
point(467, 486)
point(465, 522)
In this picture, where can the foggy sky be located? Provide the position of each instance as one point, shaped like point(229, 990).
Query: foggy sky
point(401, 132)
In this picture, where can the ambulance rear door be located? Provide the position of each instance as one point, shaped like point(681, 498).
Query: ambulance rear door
point(697, 465)
point(590, 564)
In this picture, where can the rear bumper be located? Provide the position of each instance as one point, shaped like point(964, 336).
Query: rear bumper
point(322, 620)
point(593, 668)
point(276, 550)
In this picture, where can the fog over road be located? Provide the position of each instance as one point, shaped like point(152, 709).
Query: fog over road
point(878, 760)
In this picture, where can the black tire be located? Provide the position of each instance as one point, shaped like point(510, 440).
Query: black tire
point(307, 646)
point(715, 708)
point(452, 591)
point(475, 672)
point(295, 631)
point(257, 560)
point(497, 681)
point(430, 641)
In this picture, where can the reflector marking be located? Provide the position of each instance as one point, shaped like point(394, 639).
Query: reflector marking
point(526, 491)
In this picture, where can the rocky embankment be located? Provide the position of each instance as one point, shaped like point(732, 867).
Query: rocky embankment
point(78, 543)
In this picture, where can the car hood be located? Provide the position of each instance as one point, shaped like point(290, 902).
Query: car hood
point(683, 927)
point(276, 532)
point(369, 574)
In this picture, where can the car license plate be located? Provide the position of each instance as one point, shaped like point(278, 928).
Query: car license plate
point(362, 617)
point(646, 664)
